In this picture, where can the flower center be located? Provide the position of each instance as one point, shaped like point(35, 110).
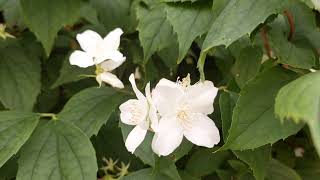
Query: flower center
point(99, 69)
point(183, 116)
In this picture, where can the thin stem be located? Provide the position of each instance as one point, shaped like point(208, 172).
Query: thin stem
point(87, 75)
point(49, 115)
point(291, 23)
point(223, 88)
point(266, 41)
point(201, 62)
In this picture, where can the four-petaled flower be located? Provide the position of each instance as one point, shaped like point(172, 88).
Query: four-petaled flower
point(183, 109)
point(102, 52)
point(140, 113)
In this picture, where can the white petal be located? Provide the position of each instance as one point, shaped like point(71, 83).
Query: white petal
point(89, 41)
point(111, 79)
point(110, 65)
point(166, 96)
point(133, 112)
point(168, 136)
point(316, 4)
point(138, 93)
point(202, 131)
point(103, 55)
point(201, 96)
point(112, 40)
point(99, 80)
point(135, 138)
point(81, 59)
point(153, 116)
point(166, 82)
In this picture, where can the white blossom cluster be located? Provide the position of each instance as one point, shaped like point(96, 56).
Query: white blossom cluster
point(172, 111)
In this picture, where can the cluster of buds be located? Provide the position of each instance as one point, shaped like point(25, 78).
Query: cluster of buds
point(112, 171)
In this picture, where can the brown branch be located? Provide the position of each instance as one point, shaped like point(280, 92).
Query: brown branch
point(266, 41)
point(291, 23)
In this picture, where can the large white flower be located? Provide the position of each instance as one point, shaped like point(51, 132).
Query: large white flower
point(183, 109)
point(140, 113)
point(96, 50)
point(103, 53)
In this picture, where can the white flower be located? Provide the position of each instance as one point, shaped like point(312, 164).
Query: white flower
point(140, 113)
point(299, 152)
point(103, 53)
point(104, 75)
point(183, 109)
point(312, 70)
point(316, 4)
point(96, 50)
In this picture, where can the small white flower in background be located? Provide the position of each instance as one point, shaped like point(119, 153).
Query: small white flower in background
point(299, 152)
point(316, 4)
point(102, 52)
point(140, 113)
point(96, 50)
point(312, 70)
point(183, 110)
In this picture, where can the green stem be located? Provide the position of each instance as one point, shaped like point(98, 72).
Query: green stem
point(49, 115)
point(87, 75)
point(201, 62)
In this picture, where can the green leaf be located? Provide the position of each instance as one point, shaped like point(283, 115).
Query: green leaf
point(186, 176)
point(279, 171)
point(300, 101)
point(225, 174)
point(305, 23)
point(294, 54)
point(148, 174)
point(227, 101)
point(91, 108)
point(12, 13)
point(189, 21)
point(241, 170)
point(57, 150)
point(170, 54)
point(115, 14)
point(16, 128)
point(70, 73)
point(144, 151)
point(253, 121)
point(308, 169)
point(240, 17)
point(257, 159)
point(180, 0)
point(45, 18)
point(19, 77)
point(9, 169)
point(247, 64)
point(155, 32)
point(89, 13)
point(109, 143)
point(165, 170)
point(166, 166)
point(182, 150)
point(309, 3)
point(204, 162)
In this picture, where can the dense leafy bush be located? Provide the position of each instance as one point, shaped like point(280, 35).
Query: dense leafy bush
point(226, 89)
